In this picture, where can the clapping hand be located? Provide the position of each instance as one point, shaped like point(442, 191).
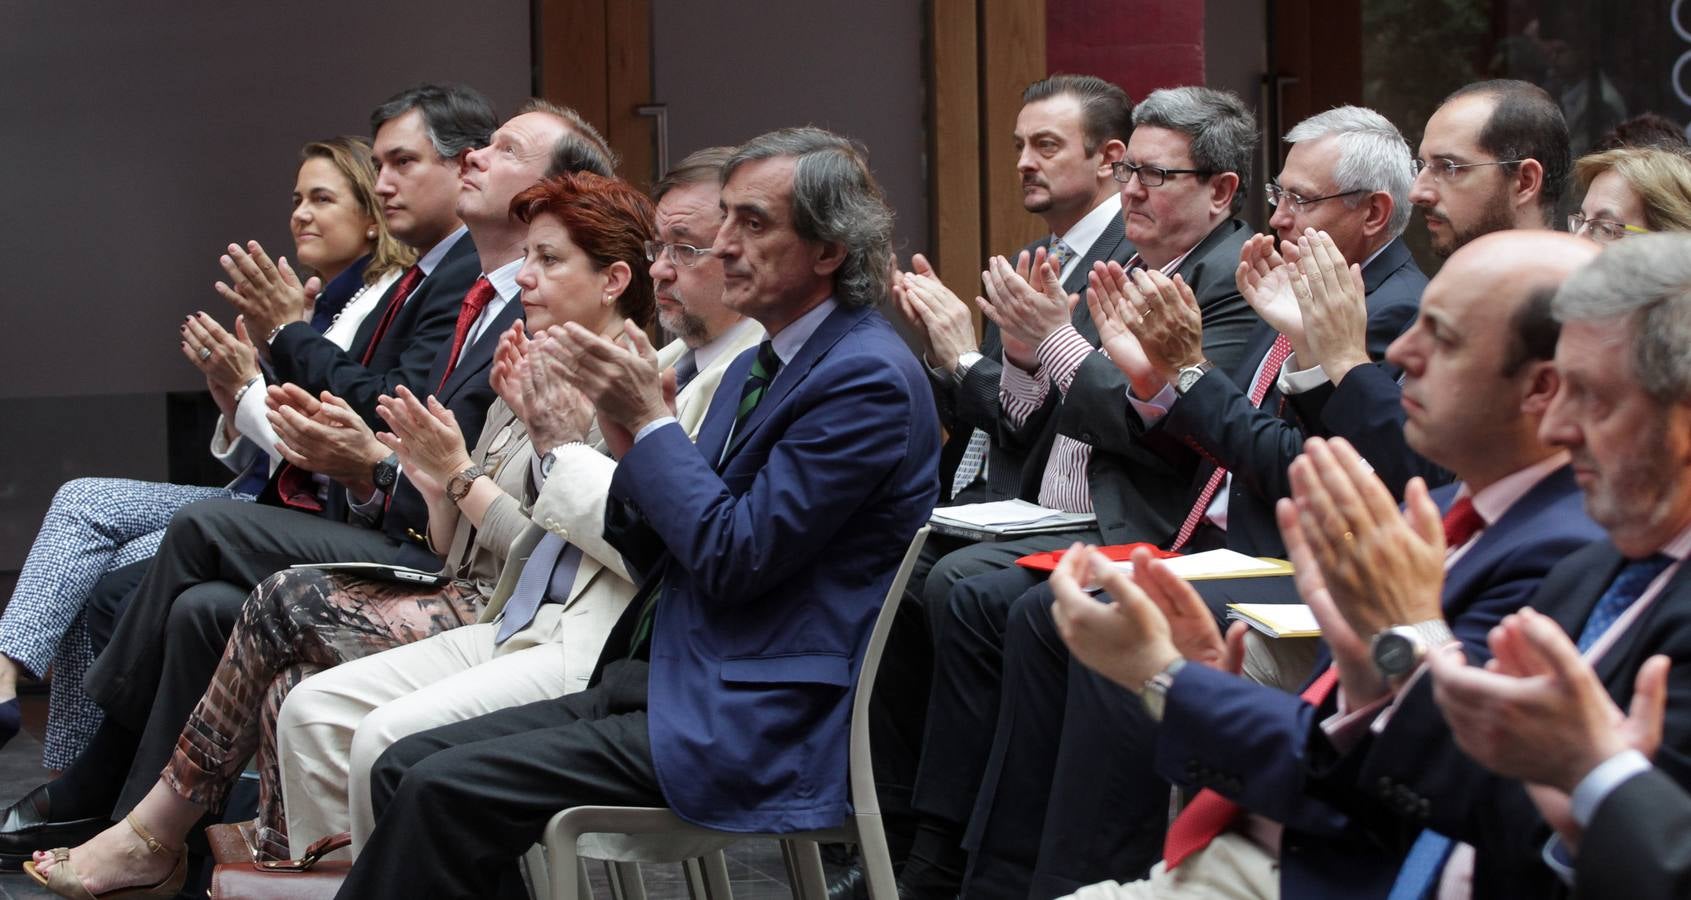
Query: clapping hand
point(1025, 316)
point(558, 412)
point(269, 295)
point(506, 376)
point(426, 437)
point(1126, 639)
point(1110, 298)
point(1333, 304)
point(322, 434)
point(228, 361)
point(1264, 278)
point(621, 378)
point(1170, 328)
point(935, 313)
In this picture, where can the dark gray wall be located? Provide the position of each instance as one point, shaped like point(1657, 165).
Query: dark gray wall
point(730, 69)
point(138, 140)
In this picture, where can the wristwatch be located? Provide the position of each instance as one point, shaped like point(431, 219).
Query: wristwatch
point(1155, 692)
point(1399, 650)
point(385, 473)
point(459, 485)
point(964, 362)
point(1185, 378)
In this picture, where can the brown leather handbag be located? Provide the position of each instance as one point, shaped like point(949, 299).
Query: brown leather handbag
point(239, 877)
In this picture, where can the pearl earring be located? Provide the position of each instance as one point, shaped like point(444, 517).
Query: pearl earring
point(371, 234)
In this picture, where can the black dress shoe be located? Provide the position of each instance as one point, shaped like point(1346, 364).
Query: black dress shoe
point(27, 826)
point(854, 885)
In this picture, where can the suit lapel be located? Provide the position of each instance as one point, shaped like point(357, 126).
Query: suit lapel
point(1394, 256)
point(840, 321)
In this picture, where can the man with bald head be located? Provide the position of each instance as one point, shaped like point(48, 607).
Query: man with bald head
point(1478, 379)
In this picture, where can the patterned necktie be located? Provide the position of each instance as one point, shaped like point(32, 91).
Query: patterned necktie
point(1277, 353)
point(1059, 253)
point(971, 465)
point(1628, 586)
point(474, 302)
point(686, 369)
point(549, 572)
point(401, 292)
point(1210, 814)
point(757, 382)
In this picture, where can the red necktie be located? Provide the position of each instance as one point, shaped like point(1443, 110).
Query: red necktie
point(1461, 523)
point(1271, 364)
point(474, 302)
point(1209, 814)
point(401, 291)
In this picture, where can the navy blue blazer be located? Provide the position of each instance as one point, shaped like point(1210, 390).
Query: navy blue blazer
point(1264, 748)
point(1415, 758)
point(775, 564)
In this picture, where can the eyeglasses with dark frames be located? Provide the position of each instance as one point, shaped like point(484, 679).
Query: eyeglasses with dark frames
point(1275, 192)
point(685, 255)
point(1150, 176)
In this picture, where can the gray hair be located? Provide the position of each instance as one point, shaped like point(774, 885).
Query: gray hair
point(1373, 156)
point(1647, 278)
point(835, 200)
point(1221, 128)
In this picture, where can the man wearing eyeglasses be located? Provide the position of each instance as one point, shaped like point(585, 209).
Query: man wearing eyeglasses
point(1494, 156)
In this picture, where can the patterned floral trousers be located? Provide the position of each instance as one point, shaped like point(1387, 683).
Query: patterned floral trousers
point(296, 622)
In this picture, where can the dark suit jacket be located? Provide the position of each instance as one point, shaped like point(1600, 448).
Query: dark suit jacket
point(1638, 845)
point(775, 563)
point(1366, 407)
point(974, 403)
point(1415, 758)
point(1137, 494)
point(1257, 444)
point(1264, 748)
point(306, 358)
point(468, 394)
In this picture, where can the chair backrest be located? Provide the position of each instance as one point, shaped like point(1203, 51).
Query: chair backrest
point(863, 798)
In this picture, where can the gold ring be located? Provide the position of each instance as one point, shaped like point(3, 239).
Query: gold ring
point(1349, 537)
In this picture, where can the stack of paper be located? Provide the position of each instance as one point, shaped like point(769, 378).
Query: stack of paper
point(1280, 620)
point(1220, 564)
point(1002, 519)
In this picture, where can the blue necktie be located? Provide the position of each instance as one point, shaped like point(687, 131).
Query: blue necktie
point(686, 369)
point(1421, 868)
point(1628, 586)
point(549, 572)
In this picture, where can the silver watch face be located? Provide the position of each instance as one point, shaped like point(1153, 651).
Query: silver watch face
point(1395, 654)
point(1187, 378)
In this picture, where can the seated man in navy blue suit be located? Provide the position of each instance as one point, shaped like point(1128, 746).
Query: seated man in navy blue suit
point(765, 551)
point(1277, 771)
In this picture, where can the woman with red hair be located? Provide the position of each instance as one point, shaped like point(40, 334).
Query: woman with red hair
point(584, 263)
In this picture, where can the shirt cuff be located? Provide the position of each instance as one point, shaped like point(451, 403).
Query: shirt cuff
point(1345, 730)
point(370, 510)
point(1560, 861)
point(1155, 408)
point(1300, 381)
point(654, 425)
point(1595, 787)
point(1061, 354)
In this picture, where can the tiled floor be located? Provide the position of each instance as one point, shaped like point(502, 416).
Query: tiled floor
point(755, 868)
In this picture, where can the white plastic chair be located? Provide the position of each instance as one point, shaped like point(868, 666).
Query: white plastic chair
point(567, 879)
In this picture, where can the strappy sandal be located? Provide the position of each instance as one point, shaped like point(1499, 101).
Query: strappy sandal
point(63, 880)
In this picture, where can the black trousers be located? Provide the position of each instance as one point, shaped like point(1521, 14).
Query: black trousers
point(457, 805)
point(1069, 796)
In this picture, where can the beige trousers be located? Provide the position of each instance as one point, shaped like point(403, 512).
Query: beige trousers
point(1232, 867)
point(336, 723)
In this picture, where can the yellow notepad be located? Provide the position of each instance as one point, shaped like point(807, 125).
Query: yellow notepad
point(1281, 620)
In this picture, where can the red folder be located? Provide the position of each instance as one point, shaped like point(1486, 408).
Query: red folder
point(1045, 562)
